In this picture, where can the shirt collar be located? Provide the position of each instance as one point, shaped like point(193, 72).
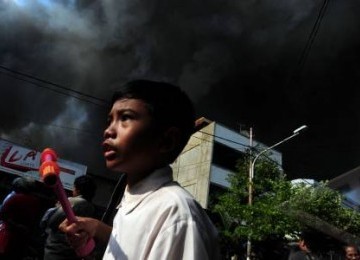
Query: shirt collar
point(132, 197)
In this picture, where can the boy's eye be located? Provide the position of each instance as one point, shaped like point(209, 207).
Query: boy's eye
point(125, 117)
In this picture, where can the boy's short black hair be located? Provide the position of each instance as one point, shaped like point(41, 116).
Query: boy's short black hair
point(168, 105)
point(86, 186)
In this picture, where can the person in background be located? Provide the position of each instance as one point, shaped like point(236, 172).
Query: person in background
point(20, 214)
point(56, 244)
point(351, 252)
point(19, 185)
point(307, 247)
point(149, 124)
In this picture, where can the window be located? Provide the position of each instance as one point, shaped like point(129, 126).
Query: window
point(226, 157)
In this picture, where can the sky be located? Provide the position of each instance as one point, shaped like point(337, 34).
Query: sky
point(269, 65)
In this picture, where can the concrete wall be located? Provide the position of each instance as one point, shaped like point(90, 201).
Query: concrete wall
point(192, 168)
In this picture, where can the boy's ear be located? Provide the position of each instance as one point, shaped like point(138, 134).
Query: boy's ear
point(170, 139)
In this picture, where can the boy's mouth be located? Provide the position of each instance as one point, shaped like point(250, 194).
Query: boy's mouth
point(109, 152)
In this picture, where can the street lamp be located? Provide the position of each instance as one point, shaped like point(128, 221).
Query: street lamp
point(251, 175)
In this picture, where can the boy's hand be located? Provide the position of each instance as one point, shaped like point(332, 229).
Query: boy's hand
point(83, 229)
point(78, 240)
point(79, 232)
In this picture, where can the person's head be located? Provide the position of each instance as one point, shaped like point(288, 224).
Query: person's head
point(23, 185)
point(85, 186)
point(351, 252)
point(311, 241)
point(148, 126)
point(303, 245)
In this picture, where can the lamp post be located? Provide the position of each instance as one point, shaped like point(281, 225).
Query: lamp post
point(251, 176)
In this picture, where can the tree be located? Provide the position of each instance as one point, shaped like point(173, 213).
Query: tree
point(265, 219)
point(321, 207)
point(279, 208)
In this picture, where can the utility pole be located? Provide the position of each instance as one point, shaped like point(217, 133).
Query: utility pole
point(251, 174)
point(248, 247)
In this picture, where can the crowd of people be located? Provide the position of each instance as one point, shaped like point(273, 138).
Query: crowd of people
point(21, 211)
point(30, 216)
point(149, 124)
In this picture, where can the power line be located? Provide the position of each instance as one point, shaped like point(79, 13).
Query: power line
point(71, 128)
point(59, 88)
point(246, 146)
point(306, 50)
point(41, 86)
point(313, 33)
point(229, 140)
point(222, 138)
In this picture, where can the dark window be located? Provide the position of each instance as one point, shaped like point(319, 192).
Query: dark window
point(226, 157)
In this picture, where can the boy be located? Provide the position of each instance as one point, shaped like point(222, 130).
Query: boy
point(148, 126)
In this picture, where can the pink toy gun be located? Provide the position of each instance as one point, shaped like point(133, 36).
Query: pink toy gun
point(49, 172)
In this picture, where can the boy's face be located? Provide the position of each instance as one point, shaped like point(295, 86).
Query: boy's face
point(130, 143)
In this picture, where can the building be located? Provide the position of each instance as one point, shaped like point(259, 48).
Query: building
point(349, 185)
point(210, 156)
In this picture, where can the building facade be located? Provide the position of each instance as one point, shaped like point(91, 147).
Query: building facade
point(349, 185)
point(210, 156)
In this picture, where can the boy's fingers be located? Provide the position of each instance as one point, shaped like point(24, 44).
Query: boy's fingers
point(78, 239)
point(69, 228)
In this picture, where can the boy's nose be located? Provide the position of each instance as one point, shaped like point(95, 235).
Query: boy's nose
point(108, 133)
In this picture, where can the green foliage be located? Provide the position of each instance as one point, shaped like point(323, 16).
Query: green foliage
point(265, 217)
point(273, 198)
point(326, 204)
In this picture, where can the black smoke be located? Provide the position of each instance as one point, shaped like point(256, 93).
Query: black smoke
point(240, 61)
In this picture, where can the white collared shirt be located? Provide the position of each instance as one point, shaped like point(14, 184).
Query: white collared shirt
point(158, 219)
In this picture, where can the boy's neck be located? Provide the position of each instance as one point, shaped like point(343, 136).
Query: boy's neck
point(133, 179)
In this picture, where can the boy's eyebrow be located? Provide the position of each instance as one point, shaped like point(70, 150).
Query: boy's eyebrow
point(121, 111)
